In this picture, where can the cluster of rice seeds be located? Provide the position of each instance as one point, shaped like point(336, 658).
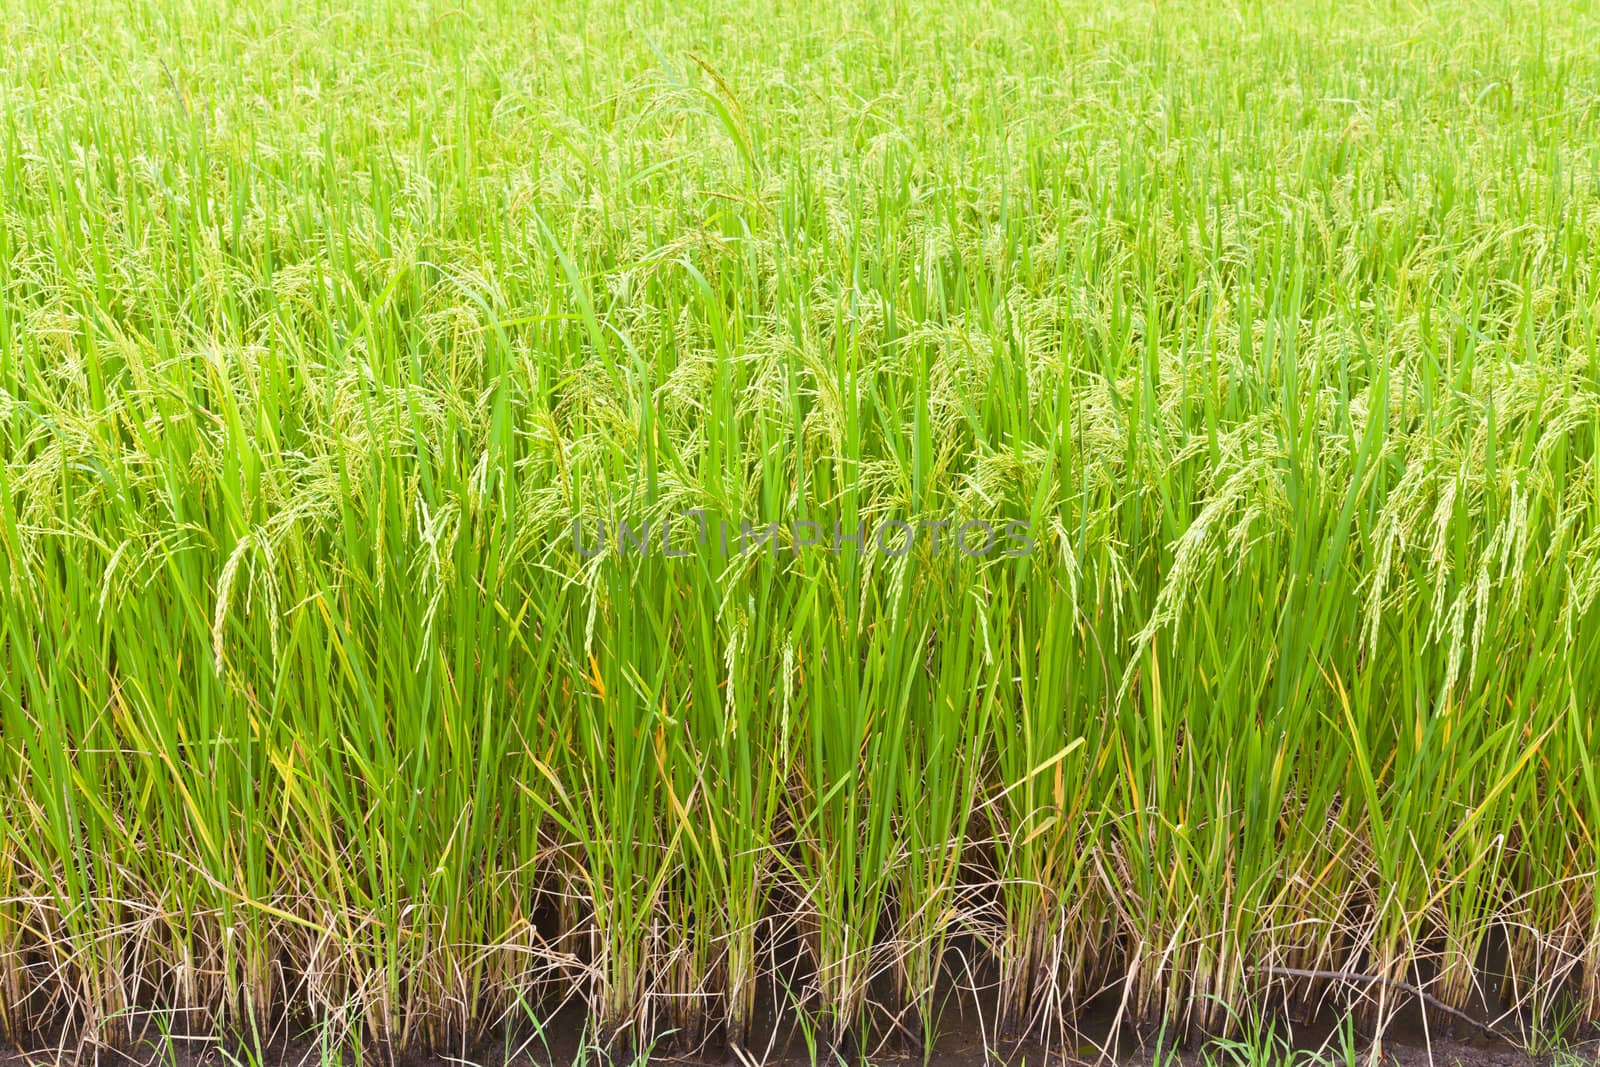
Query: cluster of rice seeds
point(1274, 325)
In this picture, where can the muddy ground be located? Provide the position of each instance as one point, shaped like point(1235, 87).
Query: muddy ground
point(1404, 1045)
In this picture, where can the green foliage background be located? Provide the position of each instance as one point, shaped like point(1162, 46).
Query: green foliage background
point(320, 324)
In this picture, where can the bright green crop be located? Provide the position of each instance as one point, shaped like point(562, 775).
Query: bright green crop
point(1269, 329)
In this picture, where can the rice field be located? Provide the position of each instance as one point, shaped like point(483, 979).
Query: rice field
point(878, 508)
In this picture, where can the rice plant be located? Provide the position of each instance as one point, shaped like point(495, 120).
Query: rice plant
point(887, 510)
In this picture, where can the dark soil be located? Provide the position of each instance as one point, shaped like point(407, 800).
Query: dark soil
point(961, 1048)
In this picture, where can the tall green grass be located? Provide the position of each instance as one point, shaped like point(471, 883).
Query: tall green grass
point(1276, 325)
